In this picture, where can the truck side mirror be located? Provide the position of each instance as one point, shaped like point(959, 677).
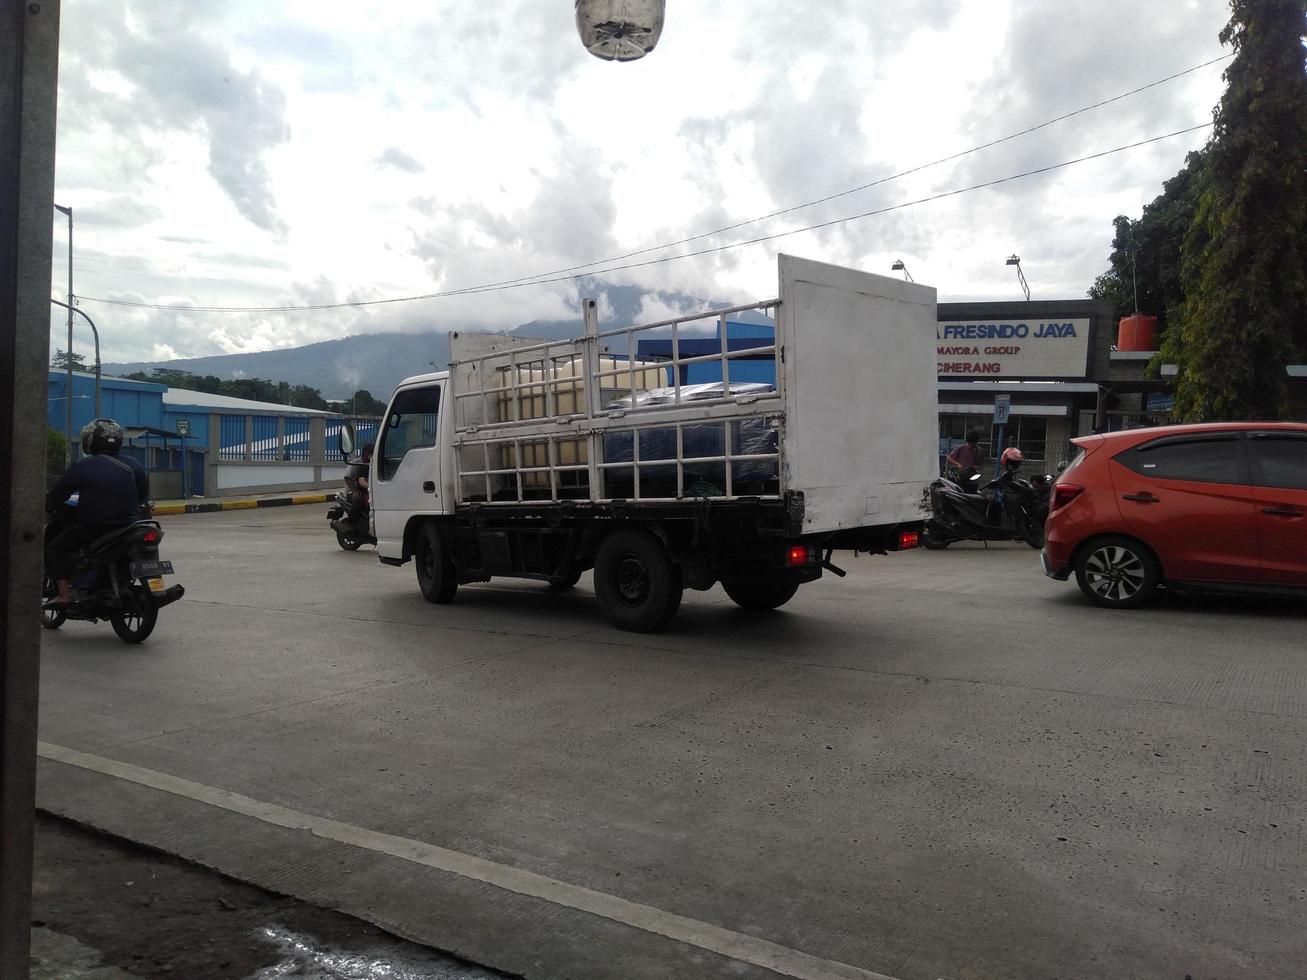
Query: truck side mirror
point(347, 440)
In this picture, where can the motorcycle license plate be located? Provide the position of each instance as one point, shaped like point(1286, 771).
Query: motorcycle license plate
point(150, 569)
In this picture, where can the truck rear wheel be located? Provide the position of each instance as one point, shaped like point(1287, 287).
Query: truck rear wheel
point(638, 586)
point(761, 595)
point(436, 575)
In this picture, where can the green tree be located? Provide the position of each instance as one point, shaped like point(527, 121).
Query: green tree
point(61, 358)
point(1244, 268)
point(1146, 252)
point(363, 404)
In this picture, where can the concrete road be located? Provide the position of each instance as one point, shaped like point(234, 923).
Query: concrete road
point(943, 765)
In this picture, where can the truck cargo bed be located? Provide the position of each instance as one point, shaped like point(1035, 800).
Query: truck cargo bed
point(674, 414)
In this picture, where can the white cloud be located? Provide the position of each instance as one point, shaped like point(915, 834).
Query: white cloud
point(317, 151)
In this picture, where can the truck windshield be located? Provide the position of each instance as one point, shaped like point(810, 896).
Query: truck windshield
point(410, 425)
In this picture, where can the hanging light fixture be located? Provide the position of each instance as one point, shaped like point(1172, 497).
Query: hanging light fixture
point(620, 30)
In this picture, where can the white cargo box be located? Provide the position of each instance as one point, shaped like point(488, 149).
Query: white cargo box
point(849, 421)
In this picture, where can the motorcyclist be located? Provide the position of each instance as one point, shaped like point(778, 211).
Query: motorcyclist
point(111, 489)
point(966, 458)
point(1009, 464)
point(356, 481)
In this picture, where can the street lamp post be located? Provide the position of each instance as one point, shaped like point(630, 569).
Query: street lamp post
point(68, 414)
point(1021, 276)
point(68, 364)
point(95, 333)
point(898, 266)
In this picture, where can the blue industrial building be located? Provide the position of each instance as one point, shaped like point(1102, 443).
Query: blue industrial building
point(183, 436)
point(740, 337)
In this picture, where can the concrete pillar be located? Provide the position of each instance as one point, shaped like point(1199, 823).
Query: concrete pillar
point(317, 445)
point(29, 52)
point(1056, 436)
point(249, 437)
point(281, 437)
point(214, 456)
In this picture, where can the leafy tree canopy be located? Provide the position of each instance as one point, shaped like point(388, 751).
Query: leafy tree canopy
point(61, 358)
point(1244, 258)
point(1146, 252)
point(260, 390)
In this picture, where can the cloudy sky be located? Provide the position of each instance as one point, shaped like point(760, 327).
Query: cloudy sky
point(290, 152)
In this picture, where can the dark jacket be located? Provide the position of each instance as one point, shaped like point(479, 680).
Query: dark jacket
point(107, 493)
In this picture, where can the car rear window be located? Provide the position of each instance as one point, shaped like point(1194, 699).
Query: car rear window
point(1212, 460)
point(1075, 461)
point(1281, 460)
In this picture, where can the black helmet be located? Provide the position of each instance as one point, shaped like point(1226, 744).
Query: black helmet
point(102, 436)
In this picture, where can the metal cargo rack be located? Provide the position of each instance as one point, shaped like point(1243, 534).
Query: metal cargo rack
point(542, 422)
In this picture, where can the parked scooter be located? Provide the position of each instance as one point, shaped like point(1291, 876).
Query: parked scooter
point(1004, 509)
point(119, 578)
point(351, 517)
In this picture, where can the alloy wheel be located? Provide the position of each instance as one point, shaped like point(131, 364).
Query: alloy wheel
point(1116, 573)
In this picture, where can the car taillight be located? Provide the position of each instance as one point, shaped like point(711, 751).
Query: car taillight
point(1063, 494)
point(152, 537)
point(909, 539)
point(801, 554)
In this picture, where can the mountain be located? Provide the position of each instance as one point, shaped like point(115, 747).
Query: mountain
point(378, 362)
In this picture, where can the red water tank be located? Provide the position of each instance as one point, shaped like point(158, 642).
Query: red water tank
point(1137, 332)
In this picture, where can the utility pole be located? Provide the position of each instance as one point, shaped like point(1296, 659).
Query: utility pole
point(29, 75)
point(68, 400)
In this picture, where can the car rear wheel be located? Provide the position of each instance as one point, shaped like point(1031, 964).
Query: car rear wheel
point(638, 586)
point(1117, 572)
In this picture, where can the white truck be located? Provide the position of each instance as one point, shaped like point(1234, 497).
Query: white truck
point(741, 446)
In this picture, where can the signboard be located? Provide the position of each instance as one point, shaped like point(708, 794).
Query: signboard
point(993, 350)
point(1002, 409)
point(183, 427)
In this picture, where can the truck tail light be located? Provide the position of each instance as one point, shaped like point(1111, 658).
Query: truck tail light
point(1063, 494)
point(909, 540)
point(801, 554)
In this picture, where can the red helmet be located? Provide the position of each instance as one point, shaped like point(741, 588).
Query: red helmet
point(1012, 457)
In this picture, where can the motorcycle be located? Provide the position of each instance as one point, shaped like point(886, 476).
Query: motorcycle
point(119, 577)
point(351, 516)
point(1004, 509)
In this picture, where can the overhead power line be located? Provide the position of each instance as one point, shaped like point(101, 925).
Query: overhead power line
point(569, 272)
point(495, 287)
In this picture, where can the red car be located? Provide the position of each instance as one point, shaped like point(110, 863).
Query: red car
point(1218, 507)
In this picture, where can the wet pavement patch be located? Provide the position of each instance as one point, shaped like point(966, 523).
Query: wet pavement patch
point(305, 958)
point(107, 909)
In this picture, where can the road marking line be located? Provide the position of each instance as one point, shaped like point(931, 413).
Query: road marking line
point(714, 939)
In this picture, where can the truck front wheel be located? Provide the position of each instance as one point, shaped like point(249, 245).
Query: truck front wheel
point(759, 596)
point(638, 586)
point(436, 575)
